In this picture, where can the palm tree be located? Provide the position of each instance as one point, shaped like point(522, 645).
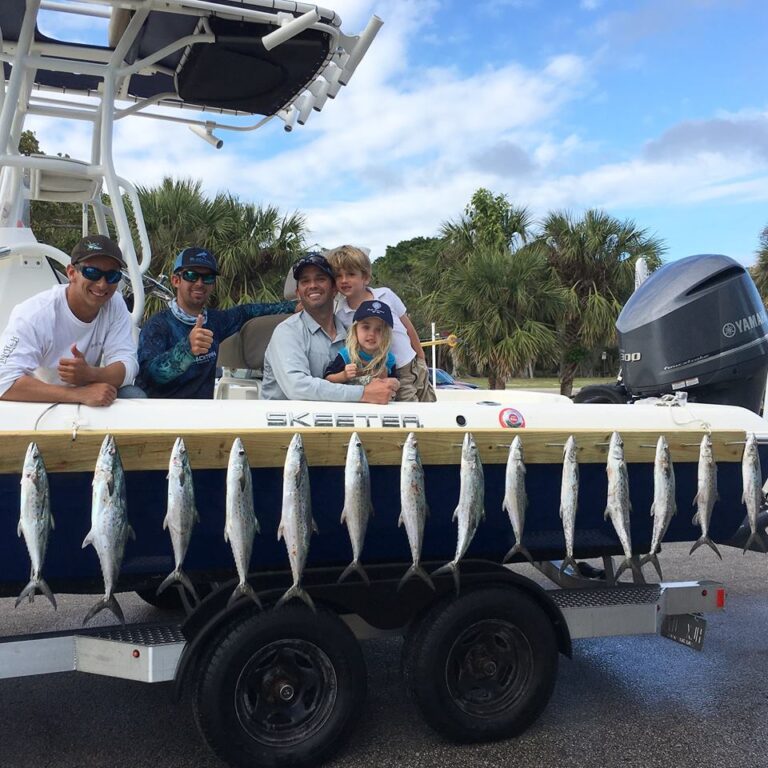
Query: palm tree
point(594, 260)
point(759, 271)
point(253, 245)
point(503, 306)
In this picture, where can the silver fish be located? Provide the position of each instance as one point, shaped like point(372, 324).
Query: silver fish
point(706, 495)
point(181, 515)
point(109, 524)
point(357, 503)
point(515, 498)
point(618, 506)
point(471, 508)
point(664, 506)
point(35, 521)
point(569, 500)
point(752, 495)
point(413, 507)
point(296, 523)
point(241, 524)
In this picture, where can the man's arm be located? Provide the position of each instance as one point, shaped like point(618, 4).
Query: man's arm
point(31, 390)
point(119, 354)
point(236, 317)
point(288, 360)
point(76, 371)
point(413, 335)
point(157, 361)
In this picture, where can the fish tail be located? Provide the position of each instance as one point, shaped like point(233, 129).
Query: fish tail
point(626, 563)
point(106, 602)
point(651, 558)
point(569, 561)
point(754, 537)
point(31, 588)
point(518, 549)
point(357, 568)
point(711, 544)
point(243, 590)
point(451, 568)
point(297, 591)
point(416, 570)
point(178, 576)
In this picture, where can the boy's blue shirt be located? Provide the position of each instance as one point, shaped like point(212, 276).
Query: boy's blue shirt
point(167, 367)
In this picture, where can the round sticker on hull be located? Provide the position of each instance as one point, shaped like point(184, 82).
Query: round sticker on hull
point(510, 417)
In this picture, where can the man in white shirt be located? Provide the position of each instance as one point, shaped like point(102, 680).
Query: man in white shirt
point(73, 343)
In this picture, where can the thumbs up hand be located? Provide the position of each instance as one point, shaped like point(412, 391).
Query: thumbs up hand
point(200, 339)
point(74, 370)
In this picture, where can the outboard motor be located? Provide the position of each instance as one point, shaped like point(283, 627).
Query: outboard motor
point(696, 325)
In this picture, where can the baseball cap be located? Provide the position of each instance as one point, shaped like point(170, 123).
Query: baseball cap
point(196, 257)
point(313, 259)
point(97, 245)
point(374, 309)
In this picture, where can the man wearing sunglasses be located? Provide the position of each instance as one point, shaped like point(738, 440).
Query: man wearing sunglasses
point(178, 346)
point(73, 343)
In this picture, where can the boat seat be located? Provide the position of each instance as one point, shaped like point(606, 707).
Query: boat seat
point(243, 354)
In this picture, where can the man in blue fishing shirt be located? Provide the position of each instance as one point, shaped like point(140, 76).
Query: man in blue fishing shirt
point(178, 346)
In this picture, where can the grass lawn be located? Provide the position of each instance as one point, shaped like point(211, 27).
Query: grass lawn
point(545, 383)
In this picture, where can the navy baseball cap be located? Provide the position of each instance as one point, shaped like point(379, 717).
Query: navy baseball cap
point(374, 309)
point(195, 257)
point(313, 259)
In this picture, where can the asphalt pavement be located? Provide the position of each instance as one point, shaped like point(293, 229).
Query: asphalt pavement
point(636, 701)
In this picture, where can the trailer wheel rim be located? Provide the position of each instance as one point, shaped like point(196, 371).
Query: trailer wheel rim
point(286, 692)
point(488, 668)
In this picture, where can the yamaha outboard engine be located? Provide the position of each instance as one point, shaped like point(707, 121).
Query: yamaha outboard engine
point(696, 325)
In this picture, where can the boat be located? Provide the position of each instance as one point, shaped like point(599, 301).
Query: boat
point(696, 362)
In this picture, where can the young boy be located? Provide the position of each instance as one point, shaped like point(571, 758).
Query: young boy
point(352, 268)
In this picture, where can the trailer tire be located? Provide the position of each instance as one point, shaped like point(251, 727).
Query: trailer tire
point(482, 666)
point(283, 687)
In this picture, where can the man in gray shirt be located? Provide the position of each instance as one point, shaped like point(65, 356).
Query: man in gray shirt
point(302, 346)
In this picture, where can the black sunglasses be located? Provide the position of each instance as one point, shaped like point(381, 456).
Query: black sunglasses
point(190, 276)
point(112, 276)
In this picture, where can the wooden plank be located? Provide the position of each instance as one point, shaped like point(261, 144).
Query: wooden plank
point(209, 449)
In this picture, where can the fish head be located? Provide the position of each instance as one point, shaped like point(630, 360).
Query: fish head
point(179, 449)
point(109, 457)
point(570, 450)
point(517, 448)
point(34, 468)
point(750, 448)
point(468, 447)
point(616, 447)
point(411, 449)
point(663, 458)
point(706, 446)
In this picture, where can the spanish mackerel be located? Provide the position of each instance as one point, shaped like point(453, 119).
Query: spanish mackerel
point(569, 500)
point(752, 495)
point(664, 506)
point(706, 495)
point(296, 523)
point(515, 498)
point(241, 524)
point(181, 515)
point(471, 508)
point(357, 503)
point(109, 524)
point(413, 507)
point(35, 521)
point(618, 505)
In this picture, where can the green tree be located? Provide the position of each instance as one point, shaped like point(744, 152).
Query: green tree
point(759, 271)
point(489, 222)
point(594, 260)
point(503, 306)
point(254, 245)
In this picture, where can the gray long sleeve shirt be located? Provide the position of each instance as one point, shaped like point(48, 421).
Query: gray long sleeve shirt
point(298, 354)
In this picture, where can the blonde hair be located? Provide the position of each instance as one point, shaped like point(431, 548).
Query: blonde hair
point(350, 259)
point(378, 364)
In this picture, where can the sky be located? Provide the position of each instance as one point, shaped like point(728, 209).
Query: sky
point(652, 110)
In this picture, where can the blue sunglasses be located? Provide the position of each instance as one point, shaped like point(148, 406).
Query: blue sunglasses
point(112, 276)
